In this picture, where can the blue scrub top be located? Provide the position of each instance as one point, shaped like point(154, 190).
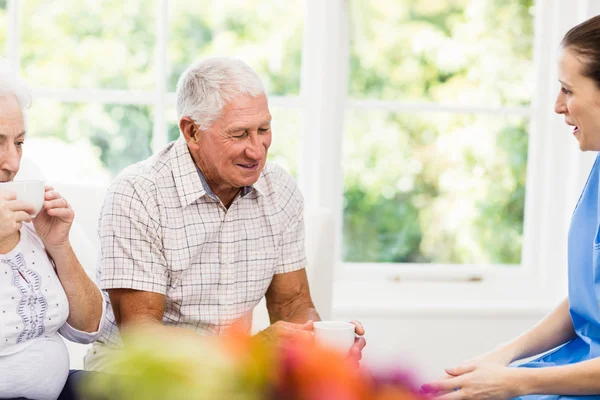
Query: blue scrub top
point(584, 286)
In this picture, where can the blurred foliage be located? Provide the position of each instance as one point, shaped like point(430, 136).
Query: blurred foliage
point(435, 187)
point(474, 52)
point(266, 34)
point(3, 25)
point(106, 44)
point(120, 134)
point(441, 188)
point(430, 187)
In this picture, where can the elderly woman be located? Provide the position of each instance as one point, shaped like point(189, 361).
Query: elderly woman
point(573, 370)
point(44, 291)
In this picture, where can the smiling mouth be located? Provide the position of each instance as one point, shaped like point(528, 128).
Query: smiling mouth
point(248, 166)
point(575, 127)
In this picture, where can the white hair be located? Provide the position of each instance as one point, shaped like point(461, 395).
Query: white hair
point(205, 87)
point(12, 85)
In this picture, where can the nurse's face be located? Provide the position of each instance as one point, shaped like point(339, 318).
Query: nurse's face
point(578, 100)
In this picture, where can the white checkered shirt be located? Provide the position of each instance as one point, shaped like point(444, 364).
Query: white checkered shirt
point(162, 230)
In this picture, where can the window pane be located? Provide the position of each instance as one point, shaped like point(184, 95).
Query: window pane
point(434, 188)
point(267, 34)
point(469, 52)
point(3, 26)
point(87, 142)
point(286, 129)
point(88, 44)
point(172, 123)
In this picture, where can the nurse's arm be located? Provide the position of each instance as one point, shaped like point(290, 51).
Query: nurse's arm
point(575, 379)
point(554, 330)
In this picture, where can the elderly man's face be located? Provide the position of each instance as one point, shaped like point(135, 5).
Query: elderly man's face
point(233, 151)
point(12, 136)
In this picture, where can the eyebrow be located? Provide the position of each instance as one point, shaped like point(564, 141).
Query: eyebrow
point(241, 128)
point(564, 83)
point(4, 137)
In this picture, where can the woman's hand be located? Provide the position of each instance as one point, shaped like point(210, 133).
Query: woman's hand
point(54, 220)
point(476, 381)
point(13, 213)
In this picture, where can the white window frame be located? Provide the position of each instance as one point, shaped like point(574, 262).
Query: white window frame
point(556, 169)
point(160, 98)
point(556, 172)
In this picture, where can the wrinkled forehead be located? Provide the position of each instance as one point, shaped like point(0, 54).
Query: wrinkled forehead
point(246, 108)
point(12, 123)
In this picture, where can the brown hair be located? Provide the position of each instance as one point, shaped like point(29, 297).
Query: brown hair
point(584, 41)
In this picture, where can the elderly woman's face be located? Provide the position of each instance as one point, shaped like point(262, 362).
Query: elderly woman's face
point(12, 136)
point(579, 101)
point(233, 151)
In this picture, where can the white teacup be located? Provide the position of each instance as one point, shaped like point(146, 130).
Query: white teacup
point(31, 192)
point(336, 335)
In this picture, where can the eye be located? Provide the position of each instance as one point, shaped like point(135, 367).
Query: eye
point(264, 130)
point(239, 135)
point(565, 91)
point(19, 144)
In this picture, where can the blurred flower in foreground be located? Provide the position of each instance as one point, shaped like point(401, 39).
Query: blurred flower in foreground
point(155, 366)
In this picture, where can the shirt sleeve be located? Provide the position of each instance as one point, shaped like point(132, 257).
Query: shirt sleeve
point(293, 252)
point(131, 255)
point(77, 336)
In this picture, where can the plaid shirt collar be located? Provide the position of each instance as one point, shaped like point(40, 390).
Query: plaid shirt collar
point(189, 180)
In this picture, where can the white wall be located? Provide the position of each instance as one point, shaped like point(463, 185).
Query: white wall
point(430, 344)
point(429, 326)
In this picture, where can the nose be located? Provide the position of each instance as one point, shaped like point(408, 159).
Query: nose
point(10, 158)
point(255, 148)
point(560, 106)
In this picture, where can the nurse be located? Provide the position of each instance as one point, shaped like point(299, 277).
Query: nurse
point(573, 370)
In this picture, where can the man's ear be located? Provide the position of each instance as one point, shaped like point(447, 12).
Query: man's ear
point(189, 130)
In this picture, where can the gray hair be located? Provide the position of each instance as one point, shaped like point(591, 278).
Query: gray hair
point(205, 87)
point(12, 85)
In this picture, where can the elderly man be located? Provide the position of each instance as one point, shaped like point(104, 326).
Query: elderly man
point(44, 290)
point(197, 235)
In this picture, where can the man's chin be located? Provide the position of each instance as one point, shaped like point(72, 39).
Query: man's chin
point(247, 180)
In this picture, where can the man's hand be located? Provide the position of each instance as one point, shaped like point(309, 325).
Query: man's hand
point(54, 220)
point(13, 213)
point(288, 330)
point(355, 354)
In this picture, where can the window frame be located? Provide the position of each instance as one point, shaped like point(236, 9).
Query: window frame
point(552, 187)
